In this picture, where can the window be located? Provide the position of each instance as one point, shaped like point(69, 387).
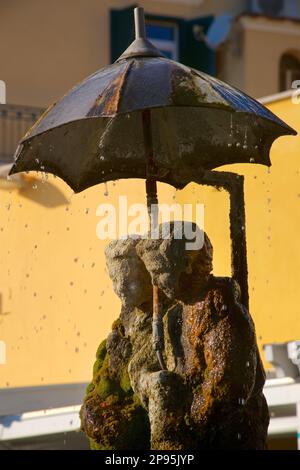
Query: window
point(164, 36)
point(289, 70)
point(174, 36)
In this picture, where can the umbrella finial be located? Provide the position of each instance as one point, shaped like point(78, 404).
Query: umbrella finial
point(139, 22)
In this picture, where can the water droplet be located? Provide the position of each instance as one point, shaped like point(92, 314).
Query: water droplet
point(34, 186)
point(242, 401)
point(37, 160)
point(71, 196)
point(239, 436)
point(252, 160)
point(231, 125)
point(238, 144)
point(245, 147)
point(101, 158)
point(106, 190)
point(247, 364)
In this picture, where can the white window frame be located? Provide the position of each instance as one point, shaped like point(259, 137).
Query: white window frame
point(162, 44)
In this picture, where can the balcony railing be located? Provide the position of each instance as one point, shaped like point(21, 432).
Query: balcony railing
point(15, 121)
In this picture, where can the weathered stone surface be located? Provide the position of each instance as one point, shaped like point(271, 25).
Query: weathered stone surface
point(131, 281)
point(211, 395)
point(167, 260)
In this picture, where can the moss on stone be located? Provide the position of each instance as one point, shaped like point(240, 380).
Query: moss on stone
point(90, 388)
point(107, 387)
point(100, 358)
point(94, 445)
point(101, 351)
point(101, 369)
point(125, 383)
point(96, 367)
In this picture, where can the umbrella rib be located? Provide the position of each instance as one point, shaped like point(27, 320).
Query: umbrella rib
point(108, 102)
point(122, 83)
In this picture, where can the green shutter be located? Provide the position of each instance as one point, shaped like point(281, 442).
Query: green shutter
point(121, 31)
point(192, 52)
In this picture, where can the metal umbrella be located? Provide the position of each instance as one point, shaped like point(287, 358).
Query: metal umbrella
point(149, 117)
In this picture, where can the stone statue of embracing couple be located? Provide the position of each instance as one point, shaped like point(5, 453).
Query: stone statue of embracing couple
point(210, 395)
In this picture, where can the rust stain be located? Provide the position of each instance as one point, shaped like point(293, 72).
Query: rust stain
point(107, 103)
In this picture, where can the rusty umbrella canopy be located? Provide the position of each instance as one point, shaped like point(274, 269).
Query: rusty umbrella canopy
point(146, 116)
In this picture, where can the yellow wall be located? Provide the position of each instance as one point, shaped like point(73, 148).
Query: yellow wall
point(272, 228)
point(48, 241)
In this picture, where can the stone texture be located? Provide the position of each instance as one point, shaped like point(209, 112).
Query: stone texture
point(211, 395)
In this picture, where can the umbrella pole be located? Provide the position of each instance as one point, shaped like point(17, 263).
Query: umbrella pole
point(152, 207)
point(157, 323)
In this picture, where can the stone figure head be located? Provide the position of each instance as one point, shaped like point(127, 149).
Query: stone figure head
point(131, 280)
point(176, 260)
